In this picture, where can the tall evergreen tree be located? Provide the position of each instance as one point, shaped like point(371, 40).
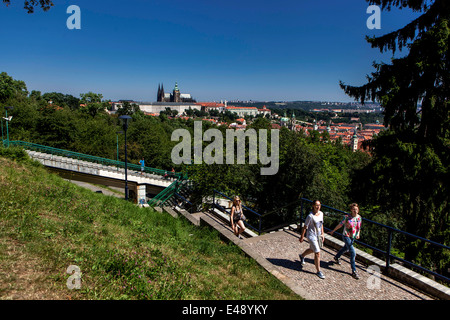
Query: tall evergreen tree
point(409, 174)
point(415, 89)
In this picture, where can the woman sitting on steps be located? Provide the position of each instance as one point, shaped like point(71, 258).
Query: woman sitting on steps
point(237, 217)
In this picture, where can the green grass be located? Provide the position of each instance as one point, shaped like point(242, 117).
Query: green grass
point(123, 251)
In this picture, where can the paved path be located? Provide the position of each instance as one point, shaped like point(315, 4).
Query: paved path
point(282, 249)
point(96, 188)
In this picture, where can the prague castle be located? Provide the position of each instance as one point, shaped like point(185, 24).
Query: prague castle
point(175, 96)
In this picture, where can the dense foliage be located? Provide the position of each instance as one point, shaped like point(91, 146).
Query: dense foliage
point(409, 174)
point(309, 166)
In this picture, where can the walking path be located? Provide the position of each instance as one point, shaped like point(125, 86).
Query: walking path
point(96, 188)
point(278, 253)
point(282, 250)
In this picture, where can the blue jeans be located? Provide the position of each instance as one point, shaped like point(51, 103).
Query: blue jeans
point(348, 247)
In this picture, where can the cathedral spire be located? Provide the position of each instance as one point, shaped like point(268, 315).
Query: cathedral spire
point(158, 95)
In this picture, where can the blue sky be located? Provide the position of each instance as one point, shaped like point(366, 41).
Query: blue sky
point(280, 50)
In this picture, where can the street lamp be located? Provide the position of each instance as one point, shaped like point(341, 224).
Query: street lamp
point(125, 120)
point(8, 119)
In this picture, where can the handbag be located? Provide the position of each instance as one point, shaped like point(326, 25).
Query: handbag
point(320, 240)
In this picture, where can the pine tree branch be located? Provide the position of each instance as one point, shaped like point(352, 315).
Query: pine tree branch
point(400, 38)
point(415, 5)
point(30, 4)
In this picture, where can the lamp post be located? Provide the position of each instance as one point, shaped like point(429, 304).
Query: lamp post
point(125, 120)
point(7, 120)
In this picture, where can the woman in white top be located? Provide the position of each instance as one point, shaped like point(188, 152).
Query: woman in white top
point(237, 217)
point(314, 227)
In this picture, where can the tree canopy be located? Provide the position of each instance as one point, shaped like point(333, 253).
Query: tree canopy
point(415, 89)
point(409, 173)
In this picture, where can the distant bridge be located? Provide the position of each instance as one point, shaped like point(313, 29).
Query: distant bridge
point(81, 167)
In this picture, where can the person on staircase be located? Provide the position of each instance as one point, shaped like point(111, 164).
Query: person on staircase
point(352, 227)
point(314, 233)
point(237, 217)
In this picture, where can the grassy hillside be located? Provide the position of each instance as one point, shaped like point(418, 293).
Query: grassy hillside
point(123, 252)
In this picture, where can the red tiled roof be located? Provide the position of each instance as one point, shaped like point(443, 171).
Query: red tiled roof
point(232, 107)
point(211, 104)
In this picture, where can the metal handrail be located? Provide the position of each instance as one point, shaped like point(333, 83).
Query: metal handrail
point(388, 251)
point(164, 195)
point(168, 192)
point(259, 216)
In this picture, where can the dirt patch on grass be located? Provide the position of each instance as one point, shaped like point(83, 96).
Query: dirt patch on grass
point(23, 277)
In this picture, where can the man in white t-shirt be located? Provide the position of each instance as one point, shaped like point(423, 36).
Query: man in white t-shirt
point(314, 229)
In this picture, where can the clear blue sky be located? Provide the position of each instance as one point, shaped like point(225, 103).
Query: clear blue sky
point(235, 49)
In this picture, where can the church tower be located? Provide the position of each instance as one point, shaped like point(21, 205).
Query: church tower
point(160, 95)
point(292, 122)
point(176, 94)
point(354, 141)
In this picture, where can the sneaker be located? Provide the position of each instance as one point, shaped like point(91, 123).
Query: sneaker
point(337, 260)
point(355, 275)
point(320, 275)
point(302, 260)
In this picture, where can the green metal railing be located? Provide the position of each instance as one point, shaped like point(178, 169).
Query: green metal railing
point(168, 192)
point(161, 198)
point(383, 234)
point(94, 159)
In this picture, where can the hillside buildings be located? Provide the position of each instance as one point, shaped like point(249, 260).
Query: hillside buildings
point(182, 102)
point(353, 134)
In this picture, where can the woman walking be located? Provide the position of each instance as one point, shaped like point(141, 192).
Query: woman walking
point(352, 227)
point(314, 227)
point(237, 217)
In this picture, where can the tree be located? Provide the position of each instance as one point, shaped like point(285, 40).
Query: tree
point(60, 99)
point(10, 88)
point(408, 176)
point(29, 5)
point(127, 108)
point(93, 104)
point(418, 81)
point(91, 97)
